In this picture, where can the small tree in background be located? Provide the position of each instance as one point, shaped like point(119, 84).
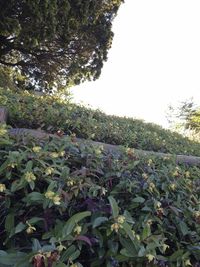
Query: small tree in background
point(56, 42)
point(185, 119)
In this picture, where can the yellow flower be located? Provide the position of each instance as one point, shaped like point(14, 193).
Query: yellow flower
point(137, 237)
point(187, 174)
point(29, 177)
point(49, 194)
point(172, 187)
point(49, 171)
point(145, 176)
point(150, 161)
point(56, 200)
point(175, 173)
point(158, 204)
point(30, 229)
point(152, 186)
point(74, 265)
point(165, 247)
point(188, 263)
point(121, 219)
point(2, 187)
point(60, 248)
point(36, 149)
point(12, 165)
point(130, 151)
point(115, 227)
point(3, 130)
point(150, 257)
point(197, 214)
point(70, 182)
point(149, 222)
point(54, 155)
point(62, 153)
point(78, 229)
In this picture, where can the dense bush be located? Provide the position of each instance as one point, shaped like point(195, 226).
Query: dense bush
point(67, 205)
point(52, 113)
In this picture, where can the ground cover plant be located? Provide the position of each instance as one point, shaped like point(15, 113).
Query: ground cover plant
point(63, 204)
point(52, 113)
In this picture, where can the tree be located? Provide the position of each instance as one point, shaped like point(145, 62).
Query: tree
point(186, 119)
point(62, 41)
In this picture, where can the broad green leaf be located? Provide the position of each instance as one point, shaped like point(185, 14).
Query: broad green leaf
point(71, 223)
point(65, 255)
point(130, 246)
point(142, 251)
point(126, 253)
point(36, 245)
point(20, 227)
point(183, 228)
point(11, 259)
point(138, 200)
point(98, 221)
point(114, 206)
point(146, 232)
point(34, 220)
point(176, 255)
point(29, 166)
point(9, 222)
point(75, 255)
point(34, 197)
point(113, 246)
point(128, 230)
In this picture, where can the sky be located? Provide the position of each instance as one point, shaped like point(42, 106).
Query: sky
point(154, 61)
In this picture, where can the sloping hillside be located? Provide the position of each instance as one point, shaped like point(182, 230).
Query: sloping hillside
point(52, 114)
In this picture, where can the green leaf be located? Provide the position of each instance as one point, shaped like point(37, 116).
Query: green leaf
point(9, 222)
point(4, 166)
point(20, 227)
point(34, 197)
point(146, 232)
point(128, 230)
point(176, 255)
point(142, 251)
point(34, 220)
point(68, 253)
point(98, 221)
point(10, 259)
point(29, 166)
point(36, 245)
point(114, 206)
point(75, 255)
point(130, 246)
point(183, 228)
point(127, 253)
point(138, 200)
point(71, 223)
point(113, 246)
point(17, 185)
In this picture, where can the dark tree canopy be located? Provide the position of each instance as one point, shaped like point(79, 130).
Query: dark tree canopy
point(56, 40)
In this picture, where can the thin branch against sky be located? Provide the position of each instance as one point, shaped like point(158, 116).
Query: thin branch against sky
point(154, 61)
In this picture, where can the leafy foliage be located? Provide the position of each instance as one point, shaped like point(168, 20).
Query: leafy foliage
point(186, 118)
point(53, 113)
point(67, 205)
point(56, 40)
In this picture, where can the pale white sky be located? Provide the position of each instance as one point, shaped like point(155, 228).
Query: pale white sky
point(154, 61)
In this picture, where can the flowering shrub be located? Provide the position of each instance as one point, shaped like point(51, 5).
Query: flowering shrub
point(54, 114)
point(64, 205)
